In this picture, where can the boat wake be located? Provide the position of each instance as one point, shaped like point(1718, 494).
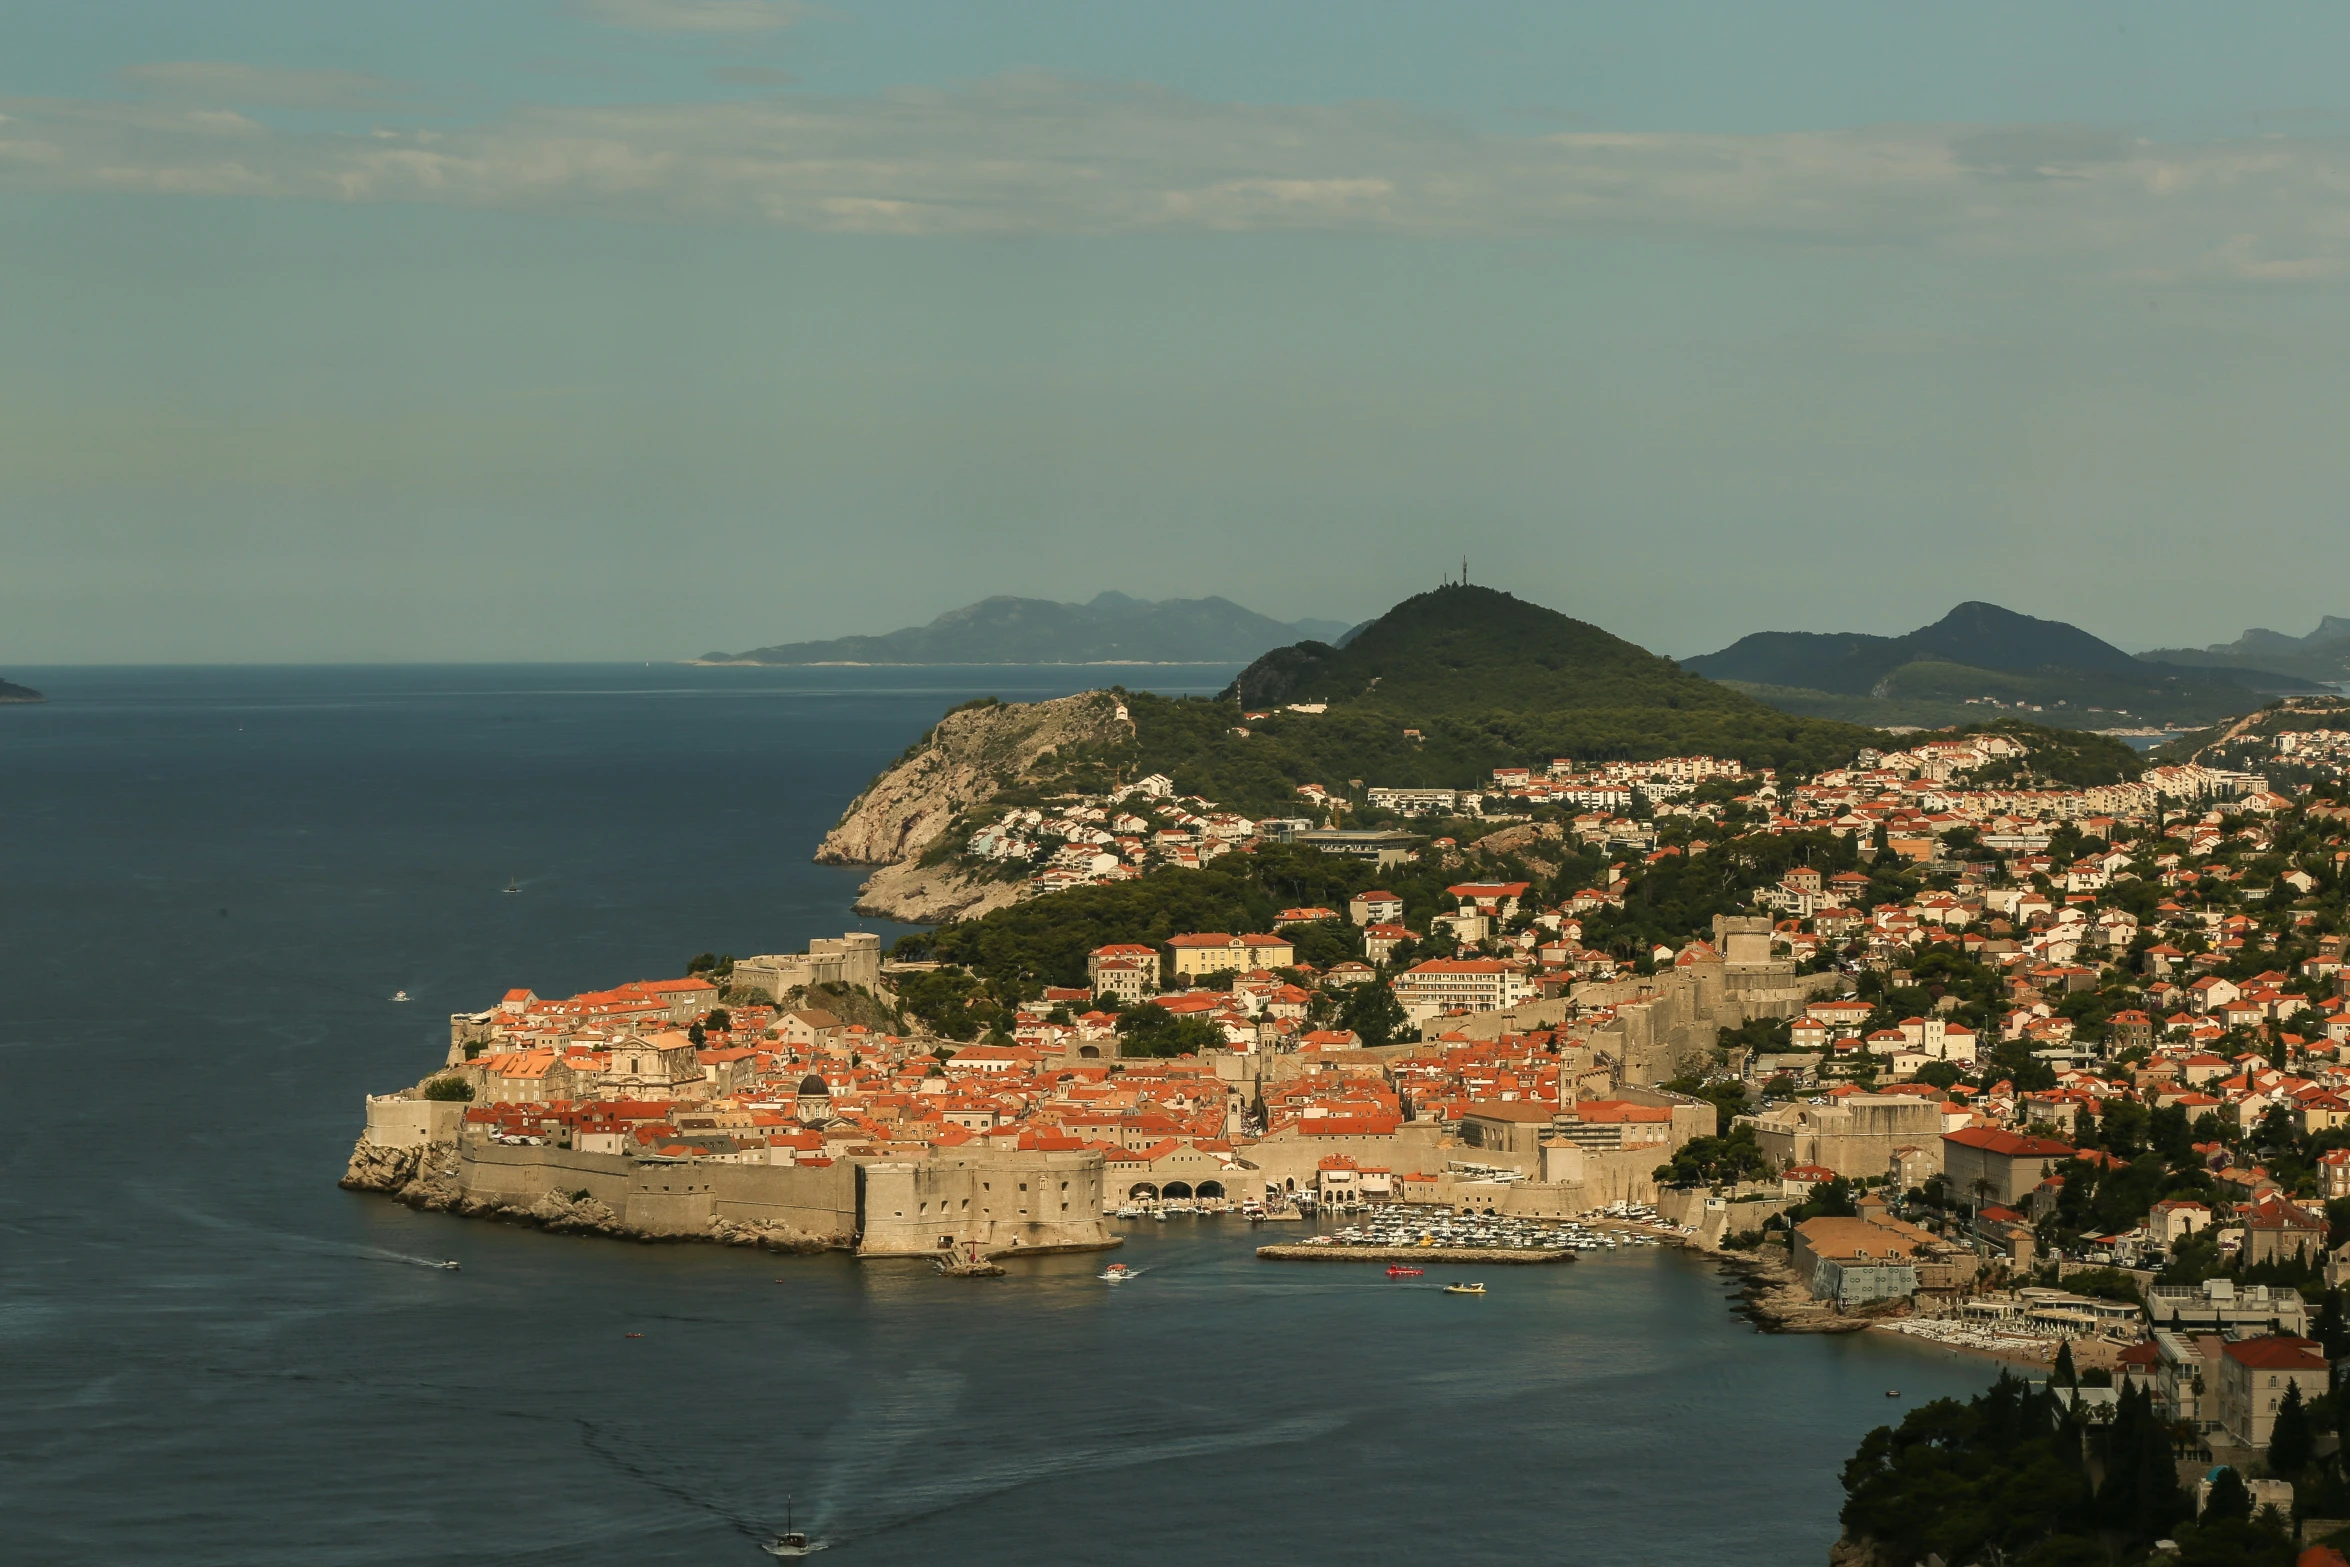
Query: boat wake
point(641, 1466)
point(917, 1500)
point(294, 1240)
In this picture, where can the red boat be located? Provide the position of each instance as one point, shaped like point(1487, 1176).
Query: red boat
point(1396, 1270)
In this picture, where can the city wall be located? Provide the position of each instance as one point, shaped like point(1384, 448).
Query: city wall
point(669, 1199)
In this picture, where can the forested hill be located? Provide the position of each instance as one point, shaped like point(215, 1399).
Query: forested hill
point(10, 692)
point(1488, 680)
point(1110, 629)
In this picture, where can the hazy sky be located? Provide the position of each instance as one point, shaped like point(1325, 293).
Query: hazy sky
point(634, 328)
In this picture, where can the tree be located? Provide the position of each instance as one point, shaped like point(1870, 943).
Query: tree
point(1373, 1013)
point(2292, 1445)
point(449, 1090)
point(2228, 1501)
point(719, 1021)
point(2064, 1375)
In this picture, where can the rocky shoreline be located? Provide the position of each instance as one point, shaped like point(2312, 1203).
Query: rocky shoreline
point(427, 1178)
point(1776, 1301)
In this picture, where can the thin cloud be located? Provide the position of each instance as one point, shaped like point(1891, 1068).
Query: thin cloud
point(261, 86)
point(1040, 155)
point(693, 16)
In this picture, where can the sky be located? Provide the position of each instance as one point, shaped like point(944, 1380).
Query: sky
point(635, 329)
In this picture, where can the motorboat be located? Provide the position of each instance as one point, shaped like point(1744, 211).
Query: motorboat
point(1396, 1270)
point(1115, 1273)
point(451, 1265)
point(792, 1542)
point(632, 1335)
point(1892, 1392)
point(1464, 1289)
point(399, 995)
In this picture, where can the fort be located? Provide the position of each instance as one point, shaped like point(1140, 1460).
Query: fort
point(1004, 1201)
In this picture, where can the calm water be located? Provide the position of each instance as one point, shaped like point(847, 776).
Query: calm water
point(211, 881)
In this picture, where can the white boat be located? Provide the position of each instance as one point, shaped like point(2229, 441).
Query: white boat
point(399, 995)
point(1115, 1273)
point(792, 1542)
point(451, 1265)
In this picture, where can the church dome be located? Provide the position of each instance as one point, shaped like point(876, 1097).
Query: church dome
point(812, 1087)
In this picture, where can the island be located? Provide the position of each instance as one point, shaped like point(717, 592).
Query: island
point(11, 692)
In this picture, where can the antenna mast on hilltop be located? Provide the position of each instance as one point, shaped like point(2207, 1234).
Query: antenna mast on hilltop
point(1464, 571)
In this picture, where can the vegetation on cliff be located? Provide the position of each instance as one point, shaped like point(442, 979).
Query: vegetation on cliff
point(12, 692)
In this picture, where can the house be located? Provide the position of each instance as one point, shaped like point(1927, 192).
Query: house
point(1375, 908)
point(1855, 1261)
point(2279, 1230)
point(1380, 940)
point(1214, 952)
point(1459, 985)
point(1996, 1166)
point(2253, 1376)
point(1130, 969)
point(808, 1029)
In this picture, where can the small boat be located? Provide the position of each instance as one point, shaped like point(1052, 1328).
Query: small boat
point(1396, 1270)
point(399, 995)
point(1115, 1273)
point(792, 1542)
point(1464, 1289)
point(1892, 1392)
point(632, 1335)
point(451, 1265)
point(512, 885)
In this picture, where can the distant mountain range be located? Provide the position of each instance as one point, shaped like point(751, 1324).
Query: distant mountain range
point(16, 693)
point(1111, 629)
point(1943, 673)
point(2323, 655)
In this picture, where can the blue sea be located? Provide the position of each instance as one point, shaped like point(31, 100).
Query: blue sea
point(213, 882)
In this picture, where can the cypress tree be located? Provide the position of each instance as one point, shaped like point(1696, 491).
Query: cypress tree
point(2064, 1375)
point(2228, 1499)
point(2292, 1446)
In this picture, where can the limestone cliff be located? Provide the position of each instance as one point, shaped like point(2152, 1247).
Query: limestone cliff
point(974, 754)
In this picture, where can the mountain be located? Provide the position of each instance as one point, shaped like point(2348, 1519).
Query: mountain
point(16, 693)
point(2323, 655)
point(1111, 629)
point(1488, 680)
point(1435, 693)
point(1943, 672)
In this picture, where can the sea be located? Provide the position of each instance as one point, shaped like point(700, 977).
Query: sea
point(214, 882)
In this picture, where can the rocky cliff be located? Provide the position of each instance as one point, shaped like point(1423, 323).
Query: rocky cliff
point(974, 754)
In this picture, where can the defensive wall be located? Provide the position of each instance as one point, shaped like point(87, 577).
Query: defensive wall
point(669, 1198)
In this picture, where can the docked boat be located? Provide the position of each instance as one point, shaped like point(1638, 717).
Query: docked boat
point(1115, 1273)
point(1396, 1270)
point(792, 1542)
point(1464, 1289)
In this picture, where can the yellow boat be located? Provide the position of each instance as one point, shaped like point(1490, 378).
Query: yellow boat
point(1464, 1289)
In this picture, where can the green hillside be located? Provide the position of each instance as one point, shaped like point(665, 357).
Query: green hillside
point(1489, 681)
point(1977, 651)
